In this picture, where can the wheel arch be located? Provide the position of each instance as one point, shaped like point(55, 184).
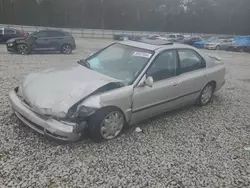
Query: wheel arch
point(115, 107)
point(65, 43)
point(214, 84)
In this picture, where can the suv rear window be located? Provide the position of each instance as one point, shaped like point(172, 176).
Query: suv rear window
point(9, 31)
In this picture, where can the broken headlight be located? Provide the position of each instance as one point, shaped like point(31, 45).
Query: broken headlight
point(86, 111)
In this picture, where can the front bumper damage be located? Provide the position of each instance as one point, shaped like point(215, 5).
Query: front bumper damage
point(42, 124)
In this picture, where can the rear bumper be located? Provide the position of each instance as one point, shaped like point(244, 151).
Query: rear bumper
point(43, 125)
point(220, 85)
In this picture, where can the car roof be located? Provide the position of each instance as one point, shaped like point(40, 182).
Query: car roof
point(155, 46)
point(5, 28)
point(58, 30)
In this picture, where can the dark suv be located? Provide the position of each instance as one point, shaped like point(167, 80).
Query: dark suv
point(44, 40)
point(9, 33)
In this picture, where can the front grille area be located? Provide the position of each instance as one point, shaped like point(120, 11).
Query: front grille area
point(56, 135)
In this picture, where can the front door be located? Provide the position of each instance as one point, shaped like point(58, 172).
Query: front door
point(41, 41)
point(150, 101)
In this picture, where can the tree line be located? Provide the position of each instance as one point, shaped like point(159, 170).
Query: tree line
point(195, 16)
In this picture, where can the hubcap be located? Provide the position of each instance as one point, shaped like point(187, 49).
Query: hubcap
point(112, 125)
point(206, 94)
point(66, 49)
point(22, 49)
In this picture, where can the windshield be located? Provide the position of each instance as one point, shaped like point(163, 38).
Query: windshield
point(121, 62)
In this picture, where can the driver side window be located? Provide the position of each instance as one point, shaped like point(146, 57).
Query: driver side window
point(164, 66)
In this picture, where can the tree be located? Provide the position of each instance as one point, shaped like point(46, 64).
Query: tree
point(207, 16)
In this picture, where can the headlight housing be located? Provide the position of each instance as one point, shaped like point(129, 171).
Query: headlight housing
point(10, 44)
point(84, 111)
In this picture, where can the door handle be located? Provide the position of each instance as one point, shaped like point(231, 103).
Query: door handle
point(205, 75)
point(175, 84)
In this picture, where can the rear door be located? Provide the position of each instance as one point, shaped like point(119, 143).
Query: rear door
point(55, 39)
point(225, 43)
point(192, 75)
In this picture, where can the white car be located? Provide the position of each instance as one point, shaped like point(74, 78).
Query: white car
point(172, 37)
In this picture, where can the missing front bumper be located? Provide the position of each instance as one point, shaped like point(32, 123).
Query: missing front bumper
point(43, 125)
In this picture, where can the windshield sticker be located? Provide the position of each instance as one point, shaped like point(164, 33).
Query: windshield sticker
point(142, 54)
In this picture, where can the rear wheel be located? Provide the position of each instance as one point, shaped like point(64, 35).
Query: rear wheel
point(206, 94)
point(23, 49)
point(66, 49)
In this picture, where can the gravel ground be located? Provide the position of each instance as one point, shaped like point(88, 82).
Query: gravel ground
point(190, 147)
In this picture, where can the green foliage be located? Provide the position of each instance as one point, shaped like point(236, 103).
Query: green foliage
point(207, 16)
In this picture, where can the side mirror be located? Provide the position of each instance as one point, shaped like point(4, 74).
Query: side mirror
point(149, 81)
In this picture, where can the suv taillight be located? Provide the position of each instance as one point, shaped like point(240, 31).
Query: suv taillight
point(25, 34)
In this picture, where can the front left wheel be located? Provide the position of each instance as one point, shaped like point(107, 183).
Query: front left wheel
point(106, 124)
point(23, 49)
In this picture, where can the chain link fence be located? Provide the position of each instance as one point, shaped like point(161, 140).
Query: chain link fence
point(94, 33)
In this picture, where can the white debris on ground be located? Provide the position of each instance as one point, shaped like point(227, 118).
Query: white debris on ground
point(138, 130)
point(190, 147)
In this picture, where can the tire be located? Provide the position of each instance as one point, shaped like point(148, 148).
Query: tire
point(98, 129)
point(217, 48)
point(23, 49)
point(66, 49)
point(204, 100)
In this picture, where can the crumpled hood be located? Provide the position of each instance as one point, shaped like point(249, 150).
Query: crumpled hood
point(54, 91)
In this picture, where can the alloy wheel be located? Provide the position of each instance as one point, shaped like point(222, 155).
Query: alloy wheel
point(66, 49)
point(22, 49)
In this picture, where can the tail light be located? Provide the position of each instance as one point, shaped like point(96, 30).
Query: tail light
point(25, 34)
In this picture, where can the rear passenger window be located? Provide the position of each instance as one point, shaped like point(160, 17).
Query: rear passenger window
point(9, 31)
point(190, 61)
point(55, 34)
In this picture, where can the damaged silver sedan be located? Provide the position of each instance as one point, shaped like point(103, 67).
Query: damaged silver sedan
point(120, 85)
